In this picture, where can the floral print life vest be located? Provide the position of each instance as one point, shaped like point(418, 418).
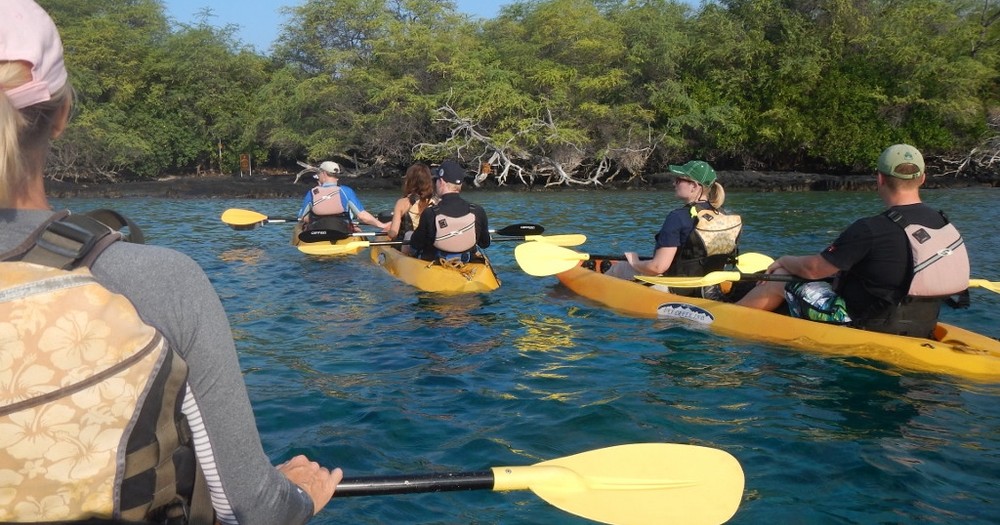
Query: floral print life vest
point(79, 371)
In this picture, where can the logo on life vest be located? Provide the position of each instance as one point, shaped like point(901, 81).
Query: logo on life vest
point(686, 311)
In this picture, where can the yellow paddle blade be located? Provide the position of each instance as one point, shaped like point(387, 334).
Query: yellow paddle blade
point(983, 283)
point(542, 258)
point(692, 282)
point(236, 217)
point(320, 248)
point(569, 239)
point(753, 262)
point(637, 484)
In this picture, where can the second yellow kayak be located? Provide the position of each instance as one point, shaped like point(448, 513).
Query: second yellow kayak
point(431, 276)
point(953, 350)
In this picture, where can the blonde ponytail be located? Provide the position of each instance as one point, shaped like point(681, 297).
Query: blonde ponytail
point(716, 195)
point(11, 122)
point(25, 133)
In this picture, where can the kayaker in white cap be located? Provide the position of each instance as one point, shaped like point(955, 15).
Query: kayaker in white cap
point(894, 269)
point(331, 206)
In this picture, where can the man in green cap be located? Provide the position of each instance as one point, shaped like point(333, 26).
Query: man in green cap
point(893, 269)
point(681, 247)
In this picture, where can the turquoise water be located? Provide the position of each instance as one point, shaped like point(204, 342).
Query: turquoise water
point(358, 370)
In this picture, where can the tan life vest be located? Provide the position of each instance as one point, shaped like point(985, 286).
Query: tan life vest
point(940, 260)
point(326, 201)
point(78, 370)
point(455, 234)
point(719, 232)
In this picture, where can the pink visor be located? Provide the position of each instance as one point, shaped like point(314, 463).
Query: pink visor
point(27, 34)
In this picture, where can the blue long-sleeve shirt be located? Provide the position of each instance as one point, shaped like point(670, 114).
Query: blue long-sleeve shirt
point(348, 199)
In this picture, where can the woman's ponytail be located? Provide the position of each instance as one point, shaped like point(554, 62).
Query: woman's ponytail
point(25, 134)
point(716, 195)
point(11, 123)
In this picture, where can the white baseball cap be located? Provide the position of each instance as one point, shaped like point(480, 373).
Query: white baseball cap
point(27, 34)
point(330, 166)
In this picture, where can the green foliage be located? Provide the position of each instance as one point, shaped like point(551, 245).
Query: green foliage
point(146, 103)
point(586, 85)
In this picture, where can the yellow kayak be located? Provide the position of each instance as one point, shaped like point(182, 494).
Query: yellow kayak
point(429, 276)
point(954, 351)
point(348, 246)
point(240, 219)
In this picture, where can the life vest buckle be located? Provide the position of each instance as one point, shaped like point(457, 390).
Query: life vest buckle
point(71, 238)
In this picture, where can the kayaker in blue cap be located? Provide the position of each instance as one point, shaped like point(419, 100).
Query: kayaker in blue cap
point(894, 270)
point(694, 239)
point(452, 229)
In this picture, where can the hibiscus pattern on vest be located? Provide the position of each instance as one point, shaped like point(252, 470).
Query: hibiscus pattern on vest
point(66, 337)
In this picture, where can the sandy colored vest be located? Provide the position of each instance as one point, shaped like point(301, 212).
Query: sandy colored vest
point(89, 393)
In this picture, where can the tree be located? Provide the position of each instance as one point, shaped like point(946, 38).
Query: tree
point(372, 72)
point(106, 44)
point(555, 92)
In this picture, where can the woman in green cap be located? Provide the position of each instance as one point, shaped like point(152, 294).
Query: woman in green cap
point(695, 238)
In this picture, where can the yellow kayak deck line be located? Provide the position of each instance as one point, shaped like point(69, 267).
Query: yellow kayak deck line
point(954, 350)
point(471, 277)
point(348, 246)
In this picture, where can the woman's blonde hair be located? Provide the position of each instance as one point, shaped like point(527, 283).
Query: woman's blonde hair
point(716, 195)
point(24, 134)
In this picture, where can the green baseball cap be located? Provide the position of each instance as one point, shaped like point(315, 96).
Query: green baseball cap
point(898, 155)
point(696, 170)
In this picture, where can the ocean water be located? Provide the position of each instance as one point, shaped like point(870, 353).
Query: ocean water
point(358, 370)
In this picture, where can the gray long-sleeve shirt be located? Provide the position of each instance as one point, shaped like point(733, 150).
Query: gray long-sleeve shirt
point(172, 293)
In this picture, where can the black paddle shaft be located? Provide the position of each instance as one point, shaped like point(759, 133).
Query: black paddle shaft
point(520, 230)
point(618, 257)
point(781, 277)
point(441, 482)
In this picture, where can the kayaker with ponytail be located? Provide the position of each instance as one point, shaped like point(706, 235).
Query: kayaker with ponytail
point(695, 238)
point(165, 435)
point(452, 229)
point(418, 194)
point(893, 270)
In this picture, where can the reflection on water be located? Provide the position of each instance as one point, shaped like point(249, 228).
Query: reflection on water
point(249, 256)
point(544, 335)
point(451, 311)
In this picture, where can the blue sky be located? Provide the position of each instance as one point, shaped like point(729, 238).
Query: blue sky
point(261, 20)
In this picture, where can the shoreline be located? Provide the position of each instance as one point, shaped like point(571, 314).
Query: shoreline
point(282, 186)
